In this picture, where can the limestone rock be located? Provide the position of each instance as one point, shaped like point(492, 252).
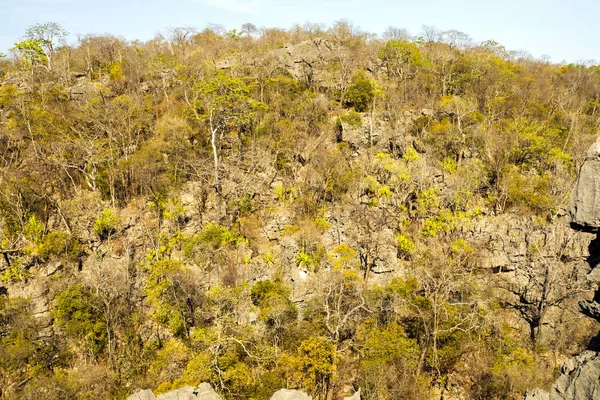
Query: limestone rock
point(206, 392)
point(537, 394)
point(579, 379)
point(287, 394)
point(584, 208)
point(143, 395)
point(185, 393)
point(355, 396)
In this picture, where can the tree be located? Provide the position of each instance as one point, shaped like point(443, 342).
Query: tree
point(225, 103)
point(544, 283)
point(32, 52)
point(394, 33)
point(40, 42)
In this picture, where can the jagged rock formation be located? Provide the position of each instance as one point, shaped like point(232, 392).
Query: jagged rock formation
point(584, 210)
point(585, 199)
point(578, 380)
point(305, 61)
point(579, 377)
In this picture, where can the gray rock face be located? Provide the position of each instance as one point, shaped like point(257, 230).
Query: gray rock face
point(204, 391)
point(287, 394)
point(143, 395)
point(584, 208)
point(579, 379)
point(185, 393)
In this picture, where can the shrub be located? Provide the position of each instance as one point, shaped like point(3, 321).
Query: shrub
point(77, 308)
point(15, 273)
point(361, 92)
point(107, 224)
point(33, 229)
point(59, 244)
point(406, 247)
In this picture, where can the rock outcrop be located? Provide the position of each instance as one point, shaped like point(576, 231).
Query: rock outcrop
point(584, 210)
point(584, 207)
point(579, 377)
point(355, 396)
point(204, 392)
point(288, 394)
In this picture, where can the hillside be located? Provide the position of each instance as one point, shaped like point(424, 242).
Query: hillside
point(321, 210)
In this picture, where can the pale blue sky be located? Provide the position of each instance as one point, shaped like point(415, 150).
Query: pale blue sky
point(564, 30)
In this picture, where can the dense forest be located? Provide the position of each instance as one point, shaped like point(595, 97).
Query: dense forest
point(314, 208)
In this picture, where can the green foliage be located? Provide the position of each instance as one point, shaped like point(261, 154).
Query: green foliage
point(115, 72)
point(317, 362)
point(16, 272)
point(387, 361)
point(530, 192)
point(162, 285)
point(225, 102)
point(107, 224)
point(449, 165)
point(216, 236)
point(59, 244)
point(33, 229)
point(406, 247)
point(78, 310)
point(273, 298)
point(31, 51)
point(285, 193)
point(307, 261)
point(401, 58)
point(352, 118)
point(344, 257)
point(7, 95)
point(361, 92)
point(410, 155)
point(428, 201)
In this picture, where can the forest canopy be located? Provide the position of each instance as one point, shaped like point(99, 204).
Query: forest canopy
point(312, 208)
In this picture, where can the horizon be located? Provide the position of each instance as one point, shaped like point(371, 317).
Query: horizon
point(545, 30)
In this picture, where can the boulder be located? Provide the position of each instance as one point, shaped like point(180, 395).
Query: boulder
point(584, 207)
point(355, 396)
point(143, 395)
point(185, 393)
point(578, 379)
point(206, 392)
point(287, 394)
point(537, 394)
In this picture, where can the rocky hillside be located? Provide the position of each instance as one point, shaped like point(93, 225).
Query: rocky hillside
point(320, 211)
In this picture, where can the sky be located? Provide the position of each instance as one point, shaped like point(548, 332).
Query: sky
point(564, 30)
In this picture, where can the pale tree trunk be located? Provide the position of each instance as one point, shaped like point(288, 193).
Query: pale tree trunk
point(213, 142)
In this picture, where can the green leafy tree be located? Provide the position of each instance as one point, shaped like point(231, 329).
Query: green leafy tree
point(47, 36)
point(32, 52)
point(225, 103)
point(78, 310)
point(361, 92)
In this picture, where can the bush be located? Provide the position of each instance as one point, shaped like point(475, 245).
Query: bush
point(59, 244)
point(361, 92)
point(15, 273)
point(406, 247)
point(77, 308)
point(107, 224)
